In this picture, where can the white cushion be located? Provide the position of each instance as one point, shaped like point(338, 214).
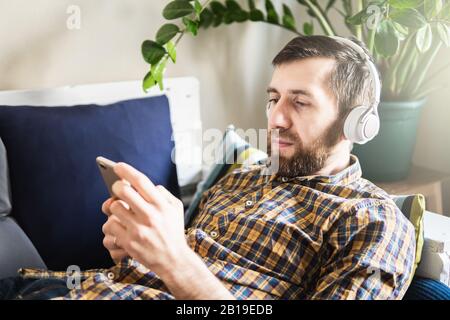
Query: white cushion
point(435, 262)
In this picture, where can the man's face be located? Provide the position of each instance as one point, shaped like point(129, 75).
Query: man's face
point(306, 114)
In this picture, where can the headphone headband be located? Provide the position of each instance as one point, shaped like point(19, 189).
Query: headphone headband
point(363, 123)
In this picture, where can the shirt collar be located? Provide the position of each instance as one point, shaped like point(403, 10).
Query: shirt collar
point(344, 177)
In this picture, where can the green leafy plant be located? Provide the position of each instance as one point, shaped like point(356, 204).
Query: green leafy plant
point(404, 36)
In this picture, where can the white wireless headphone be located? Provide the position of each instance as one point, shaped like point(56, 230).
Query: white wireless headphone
point(362, 123)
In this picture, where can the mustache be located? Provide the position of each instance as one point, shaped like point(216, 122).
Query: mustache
point(285, 135)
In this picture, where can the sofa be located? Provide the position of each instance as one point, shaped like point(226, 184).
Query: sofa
point(51, 193)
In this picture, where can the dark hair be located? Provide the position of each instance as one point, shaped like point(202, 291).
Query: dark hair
point(350, 80)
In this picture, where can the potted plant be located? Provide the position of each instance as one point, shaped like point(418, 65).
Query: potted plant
point(404, 36)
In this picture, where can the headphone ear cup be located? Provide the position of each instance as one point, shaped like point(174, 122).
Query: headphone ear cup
point(372, 127)
point(358, 131)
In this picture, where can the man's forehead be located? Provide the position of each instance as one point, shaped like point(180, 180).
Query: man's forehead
point(302, 76)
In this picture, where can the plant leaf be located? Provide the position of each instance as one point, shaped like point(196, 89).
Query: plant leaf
point(191, 25)
point(172, 51)
point(272, 15)
point(402, 32)
point(410, 18)
point(206, 18)
point(228, 18)
point(358, 18)
point(233, 6)
point(177, 9)
point(217, 20)
point(166, 33)
point(311, 13)
point(241, 16)
point(251, 5)
point(152, 51)
point(405, 4)
point(235, 12)
point(288, 18)
point(330, 4)
point(157, 72)
point(198, 8)
point(432, 8)
point(445, 12)
point(308, 28)
point(444, 33)
point(256, 15)
point(401, 29)
point(386, 41)
point(218, 8)
point(424, 37)
point(148, 81)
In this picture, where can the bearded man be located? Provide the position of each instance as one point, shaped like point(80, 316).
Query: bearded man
point(313, 229)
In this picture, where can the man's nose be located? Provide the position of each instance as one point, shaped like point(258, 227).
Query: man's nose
point(278, 115)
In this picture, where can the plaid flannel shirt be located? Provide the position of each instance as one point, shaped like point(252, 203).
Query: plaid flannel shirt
point(271, 237)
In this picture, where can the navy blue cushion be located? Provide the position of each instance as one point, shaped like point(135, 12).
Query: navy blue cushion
point(56, 188)
point(427, 289)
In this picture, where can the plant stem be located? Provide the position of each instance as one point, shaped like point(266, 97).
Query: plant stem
point(405, 71)
point(372, 39)
point(358, 28)
point(404, 90)
point(427, 66)
point(422, 94)
point(321, 16)
point(393, 76)
point(281, 26)
point(346, 4)
point(183, 31)
point(325, 16)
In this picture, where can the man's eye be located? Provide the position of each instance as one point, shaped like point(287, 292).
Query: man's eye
point(273, 100)
point(301, 104)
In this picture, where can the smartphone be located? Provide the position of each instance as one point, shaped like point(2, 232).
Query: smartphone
point(106, 169)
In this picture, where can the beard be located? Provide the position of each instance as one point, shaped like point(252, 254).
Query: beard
point(307, 159)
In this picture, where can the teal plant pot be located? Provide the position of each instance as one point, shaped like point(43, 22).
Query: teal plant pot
point(388, 156)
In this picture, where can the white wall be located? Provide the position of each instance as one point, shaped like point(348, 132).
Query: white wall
point(433, 141)
point(233, 63)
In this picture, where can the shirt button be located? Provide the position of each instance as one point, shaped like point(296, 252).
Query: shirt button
point(214, 234)
point(248, 203)
point(111, 275)
point(284, 179)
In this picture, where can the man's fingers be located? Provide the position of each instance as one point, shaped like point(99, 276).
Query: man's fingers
point(118, 255)
point(136, 202)
point(106, 205)
point(114, 228)
point(110, 219)
point(121, 210)
point(139, 181)
point(108, 243)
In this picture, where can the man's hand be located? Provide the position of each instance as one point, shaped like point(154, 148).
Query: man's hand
point(146, 222)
